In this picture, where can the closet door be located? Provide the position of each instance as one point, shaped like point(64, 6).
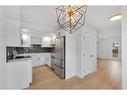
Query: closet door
point(88, 53)
point(92, 53)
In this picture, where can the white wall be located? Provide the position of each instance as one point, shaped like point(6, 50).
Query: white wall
point(70, 55)
point(72, 64)
point(38, 28)
point(124, 48)
point(2, 51)
point(105, 46)
point(79, 53)
point(86, 47)
point(110, 31)
point(106, 37)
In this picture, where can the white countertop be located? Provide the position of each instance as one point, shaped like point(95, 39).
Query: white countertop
point(21, 59)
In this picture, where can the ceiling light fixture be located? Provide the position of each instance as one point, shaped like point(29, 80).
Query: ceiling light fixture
point(116, 17)
point(71, 18)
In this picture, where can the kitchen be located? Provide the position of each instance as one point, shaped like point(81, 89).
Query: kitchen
point(31, 53)
point(28, 47)
point(39, 54)
point(35, 43)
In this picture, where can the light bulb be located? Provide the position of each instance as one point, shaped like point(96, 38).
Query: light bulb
point(116, 17)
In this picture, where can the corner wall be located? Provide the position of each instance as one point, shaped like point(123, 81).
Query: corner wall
point(124, 48)
point(70, 55)
point(2, 51)
point(72, 42)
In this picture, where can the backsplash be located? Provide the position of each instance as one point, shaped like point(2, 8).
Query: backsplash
point(11, 51)
point(39, 49)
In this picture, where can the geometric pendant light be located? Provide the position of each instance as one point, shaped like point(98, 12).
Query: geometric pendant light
point(71, 18)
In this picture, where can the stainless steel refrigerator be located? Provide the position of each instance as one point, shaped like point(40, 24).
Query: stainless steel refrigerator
point(58, 58)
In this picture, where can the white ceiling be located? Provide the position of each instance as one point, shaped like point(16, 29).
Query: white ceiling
point(97, 16)
point(41, 15)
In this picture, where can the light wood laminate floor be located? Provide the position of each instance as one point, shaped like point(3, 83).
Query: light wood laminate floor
point(107, 76)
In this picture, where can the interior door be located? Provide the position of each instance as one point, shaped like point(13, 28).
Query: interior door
point(88, 53)
point(92, 53)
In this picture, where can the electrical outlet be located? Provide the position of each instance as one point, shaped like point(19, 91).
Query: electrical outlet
point(83, 38)
point(83, 54)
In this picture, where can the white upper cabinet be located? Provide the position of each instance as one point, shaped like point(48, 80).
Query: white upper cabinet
point(36, 40)
point(15, 20)
point(26, 42)
point(25, 39)
point(48, 41)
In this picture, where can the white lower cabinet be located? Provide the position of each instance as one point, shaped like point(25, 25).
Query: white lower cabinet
point(40, 59)
point(48, 59)
point(36, 59)
point(43, 59)
point(19, 74)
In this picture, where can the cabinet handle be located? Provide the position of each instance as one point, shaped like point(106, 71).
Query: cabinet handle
point(83, 54)
point(91, 55)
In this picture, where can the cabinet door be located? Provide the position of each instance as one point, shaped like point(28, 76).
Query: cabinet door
point(36, 40)
point(19, 74)
point(32, 56)
point(43, 59)
point(13, 32)
point(26, 40)
point(36, 60)
point(39, 59)
point(48, 59)
point(46, 42)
